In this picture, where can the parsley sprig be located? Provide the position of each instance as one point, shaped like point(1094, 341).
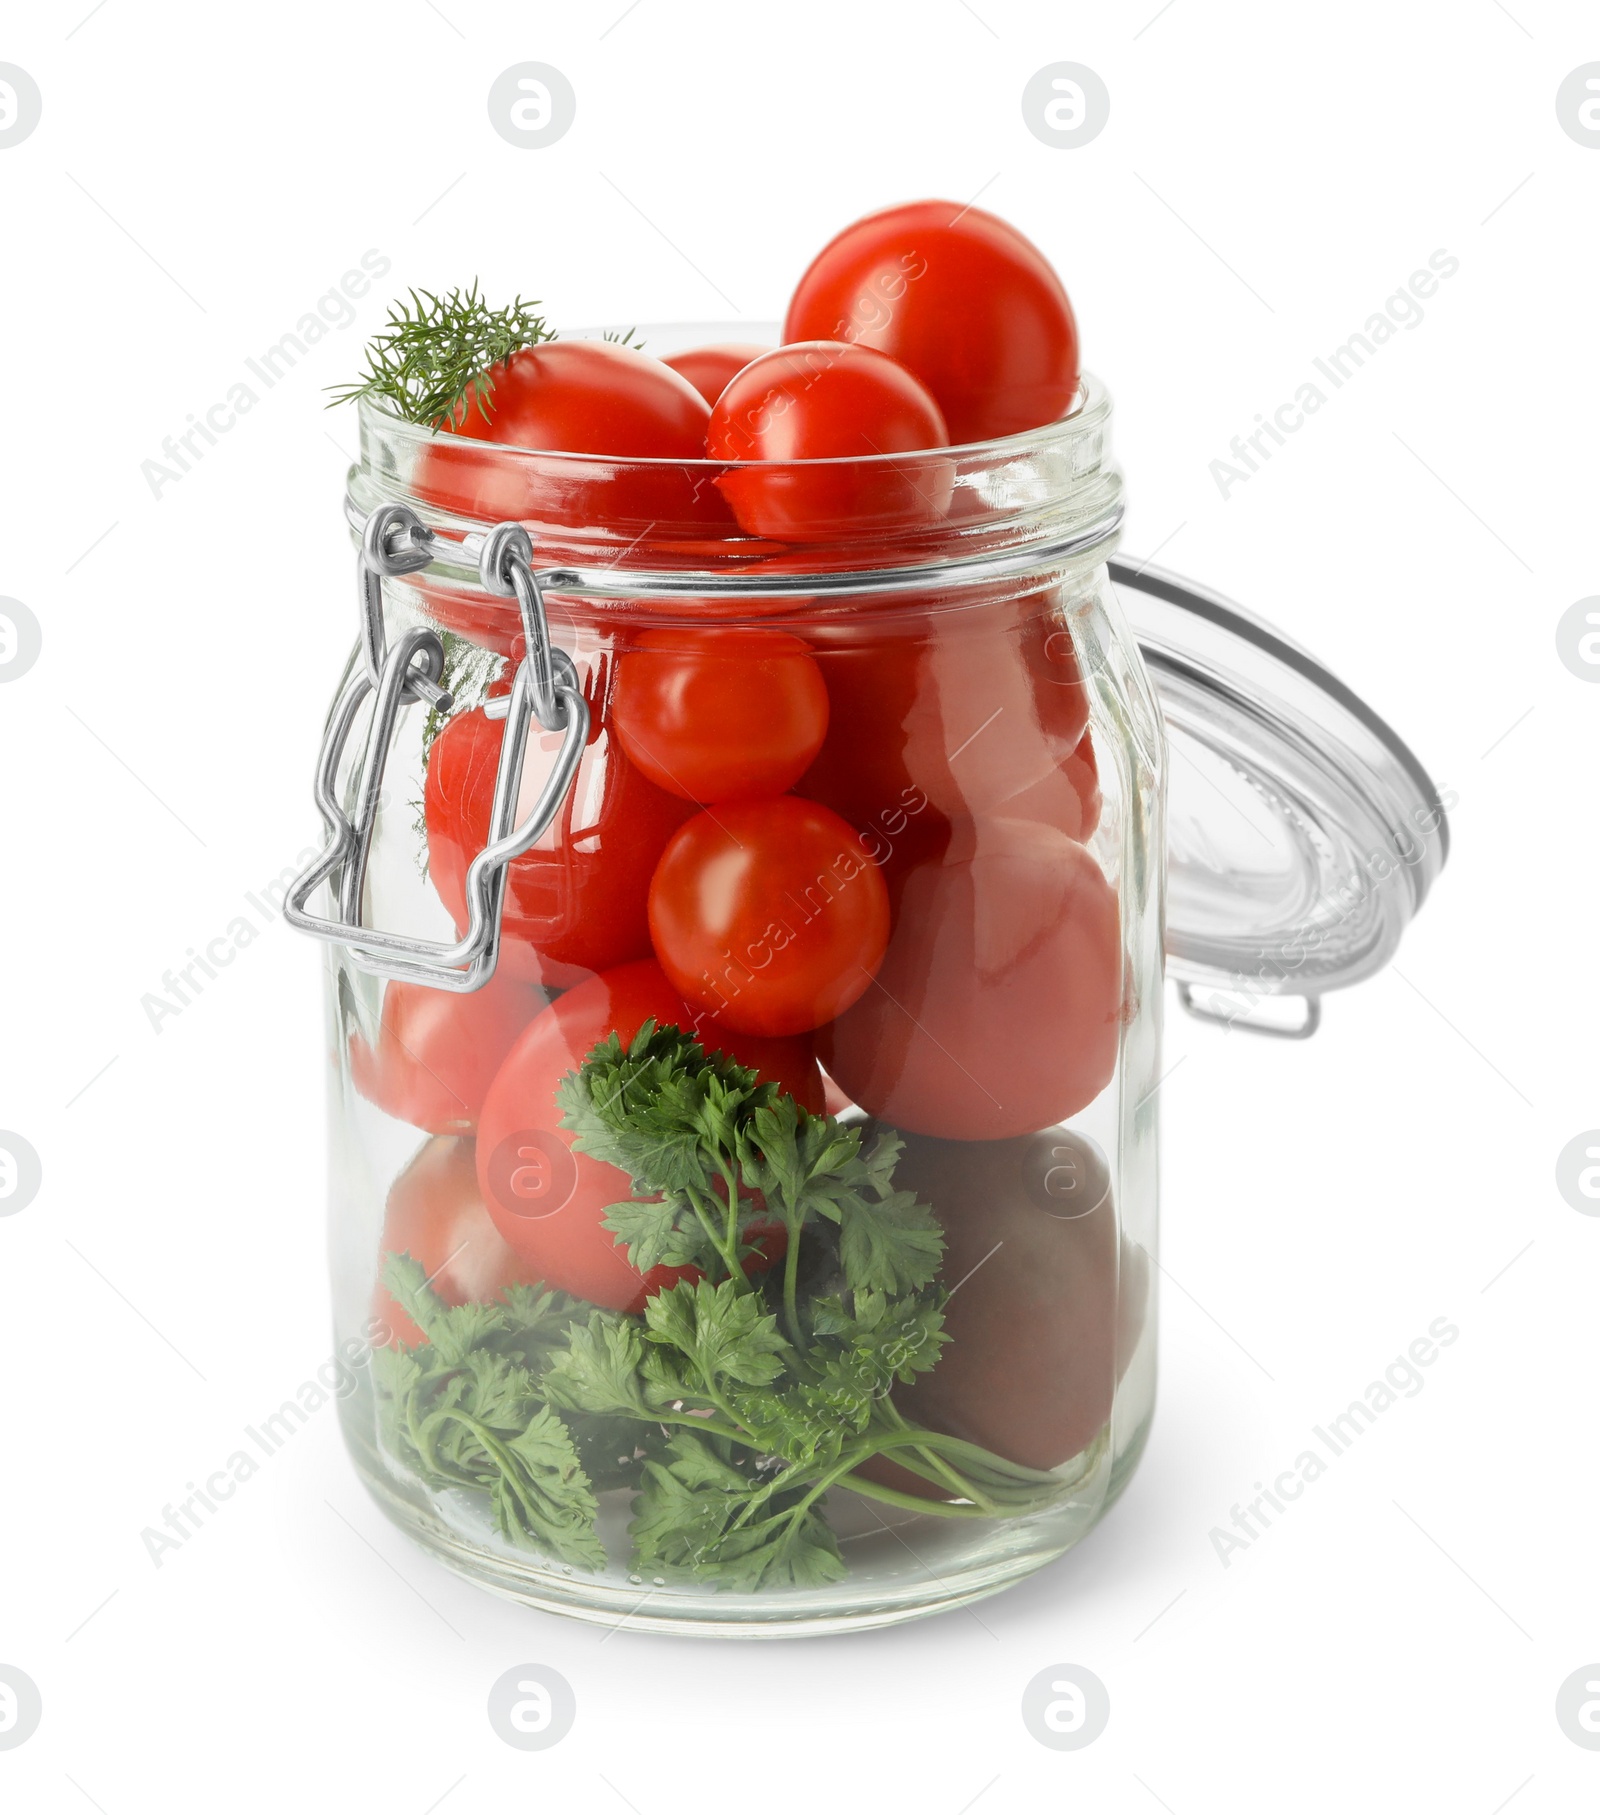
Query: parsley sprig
point(464, 1412)
point(700, 1137)
point(736, 1401)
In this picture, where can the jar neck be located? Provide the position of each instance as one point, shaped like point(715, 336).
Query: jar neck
point(1029, 504)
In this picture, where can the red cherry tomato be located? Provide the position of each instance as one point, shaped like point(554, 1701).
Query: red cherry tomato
point(1083, 771)
point(576, 397)
point(822, 401)
point(576, 901)
point(1051, 1304)
point(999, 999)
point(770, 914)
point(708, 369)
point(958, 708)
point(717, 715)
point(961, 299)
point(436, 1215)
point(1068, 797)
point(547, 1199)
point(437, 1053)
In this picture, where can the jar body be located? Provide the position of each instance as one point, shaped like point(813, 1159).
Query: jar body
point(942, 805)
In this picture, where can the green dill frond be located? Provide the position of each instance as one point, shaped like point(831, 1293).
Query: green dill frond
point(435, 356)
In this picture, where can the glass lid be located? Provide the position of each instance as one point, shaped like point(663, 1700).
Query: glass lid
point(1302, 833)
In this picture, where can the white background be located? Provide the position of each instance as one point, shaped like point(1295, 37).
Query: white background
point(1269, 176)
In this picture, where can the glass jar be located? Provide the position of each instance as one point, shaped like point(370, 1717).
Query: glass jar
point(744, 1172)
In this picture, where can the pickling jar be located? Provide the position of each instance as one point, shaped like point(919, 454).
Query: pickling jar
point(874, 836)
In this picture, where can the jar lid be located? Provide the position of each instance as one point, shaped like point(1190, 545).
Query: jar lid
point(1302, 833)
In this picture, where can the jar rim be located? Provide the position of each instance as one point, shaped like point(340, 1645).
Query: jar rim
point(1091, 408)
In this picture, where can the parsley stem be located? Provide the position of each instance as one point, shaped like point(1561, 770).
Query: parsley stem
point(1007, 1486)
point(946, 1476)
point(840, 1469)
point(727, 1249)
point(930, 1455)
point(791, 1275)
point(706, 1426)
point(731, 1186)
point(995, 1468)
point(891, 1496)
point(843, 1474)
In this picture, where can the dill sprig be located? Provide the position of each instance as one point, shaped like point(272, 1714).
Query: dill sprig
point(435, 356)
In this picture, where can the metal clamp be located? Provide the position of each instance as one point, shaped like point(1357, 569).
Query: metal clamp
point(545, 687)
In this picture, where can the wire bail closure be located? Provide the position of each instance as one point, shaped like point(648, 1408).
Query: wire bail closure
point(545, 687)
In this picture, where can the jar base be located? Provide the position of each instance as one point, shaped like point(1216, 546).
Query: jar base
point(902, 1580)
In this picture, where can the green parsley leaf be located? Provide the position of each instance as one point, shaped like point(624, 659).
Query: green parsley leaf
point(660, 1232)
point(723, 1329)
point(547, 1502)
point(698, 1515)
point(891, 1246)
point(660, 1110)
point(881, 1339)
point(809, 1166)
point(598, 1370)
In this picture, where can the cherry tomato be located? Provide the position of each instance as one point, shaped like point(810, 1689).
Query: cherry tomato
point(548, 1199)
point(435, 1214)
point(1083, 771)
point(998, 1004)
point(437, 1053)
point(576, 902)
point(717, 715)
point(770, 914)
point(708, 369)
point(959, 708)
point(847, 406)
point(1051, 1304)
point(1068, 797)
point(961, 299)
point(576, 397)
